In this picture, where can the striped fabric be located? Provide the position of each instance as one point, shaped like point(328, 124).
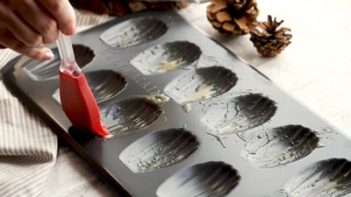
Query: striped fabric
point(28, 149)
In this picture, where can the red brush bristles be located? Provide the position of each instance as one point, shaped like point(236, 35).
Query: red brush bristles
point(79, 104)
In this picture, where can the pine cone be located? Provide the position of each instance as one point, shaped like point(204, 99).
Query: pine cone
point(269, 39)
point(233, 16)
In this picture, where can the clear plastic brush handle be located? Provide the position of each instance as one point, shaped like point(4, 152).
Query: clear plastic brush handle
point(68, 61)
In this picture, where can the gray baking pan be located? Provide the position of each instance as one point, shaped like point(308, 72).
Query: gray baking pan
point(188, 118)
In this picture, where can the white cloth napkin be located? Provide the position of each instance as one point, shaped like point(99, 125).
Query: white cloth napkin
point(27, 147)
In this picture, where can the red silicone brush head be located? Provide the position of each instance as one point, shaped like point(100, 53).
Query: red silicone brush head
point(79, 104)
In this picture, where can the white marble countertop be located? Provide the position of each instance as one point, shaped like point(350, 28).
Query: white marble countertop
point(315, 69)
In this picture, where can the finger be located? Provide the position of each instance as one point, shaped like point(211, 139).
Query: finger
point(36, 17)
point(63, 12)
point(19, 29)
point(7, 39)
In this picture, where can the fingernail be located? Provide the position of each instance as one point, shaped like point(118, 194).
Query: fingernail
point(49, 55)
point(70, 30)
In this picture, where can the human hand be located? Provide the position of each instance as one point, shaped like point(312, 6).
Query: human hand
point(26, 25)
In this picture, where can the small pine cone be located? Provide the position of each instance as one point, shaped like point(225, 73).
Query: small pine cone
point(269, 39)
point(235, 17)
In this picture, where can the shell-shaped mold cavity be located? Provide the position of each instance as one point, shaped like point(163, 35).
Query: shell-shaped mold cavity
point(330, 177)
point(201, 84)
point(281, 145)
point(212, 179)
point(167, 57)
point(238, 114)
point(133, 32)
point(105, 84)
point(127, 116)
point(45, 70)
point(159, 149)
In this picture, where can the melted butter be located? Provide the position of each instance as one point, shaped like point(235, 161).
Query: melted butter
point(225, 129)
point(158, 98)
point(169, 66)
point(204, 91)
point(186, 107)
